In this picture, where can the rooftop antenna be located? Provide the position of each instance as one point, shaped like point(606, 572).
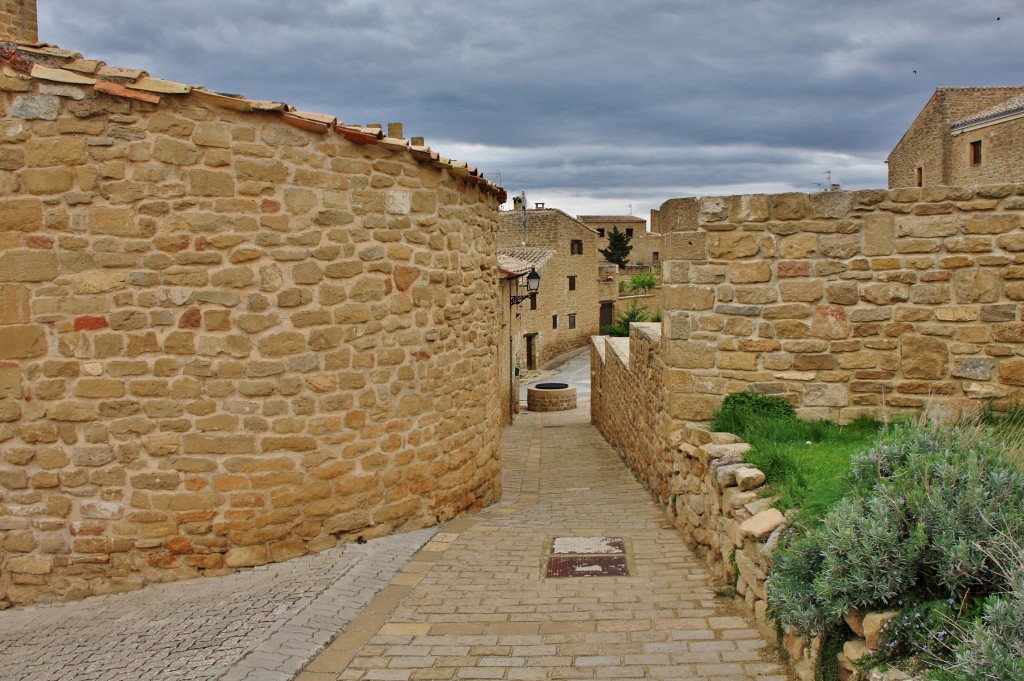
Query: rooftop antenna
point(828, 177)
point(630, 205)
point(522, 212)
point(497, 175)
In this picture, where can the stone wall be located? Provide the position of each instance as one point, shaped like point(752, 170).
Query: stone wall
point(18, 20)
point(626, 403)
point(229, 333)
point(846, 303)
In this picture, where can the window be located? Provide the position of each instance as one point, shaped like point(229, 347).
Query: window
point(554, 321)
point(572, 321)
point(919, 174)
point(655, 256)
point(533, 302)
point(572, 282)
point(600, 233)
point(576, 247)
point(629, 231)
point(976, 153)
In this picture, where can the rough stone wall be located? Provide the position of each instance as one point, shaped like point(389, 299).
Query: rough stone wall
point(922, 146)
point(847, 303)
point(552, 229)
point(627, 403)
point(18, 20)
point(1002, 148)
point(225, 340)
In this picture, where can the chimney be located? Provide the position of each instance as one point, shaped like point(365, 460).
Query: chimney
point(395, 130)
point(18, 21)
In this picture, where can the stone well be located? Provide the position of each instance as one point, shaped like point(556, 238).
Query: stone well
point(551, 397)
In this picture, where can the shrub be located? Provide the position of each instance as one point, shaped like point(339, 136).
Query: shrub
point(635, 312)
point(931, 510)
point(642, 282)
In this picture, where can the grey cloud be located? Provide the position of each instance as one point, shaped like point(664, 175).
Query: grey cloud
point(593, 96)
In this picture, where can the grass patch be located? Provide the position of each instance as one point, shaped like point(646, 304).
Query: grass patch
point(806, 463)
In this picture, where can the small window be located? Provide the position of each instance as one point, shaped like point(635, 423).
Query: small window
point(919, 175)
point(572, 282)
point(572, 321)
point(576, 247)
point(533, 302)
point(600, 233)
point(656, 256)
point(554, 321)
point(629, 231)
point(976, 153)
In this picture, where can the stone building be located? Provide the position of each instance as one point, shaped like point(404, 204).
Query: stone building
point(513, 266)
point(230, 332)
point(964, 136)
point(647, 248)
point(567, 310)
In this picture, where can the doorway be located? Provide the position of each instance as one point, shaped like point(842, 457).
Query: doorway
point(607, 313)
point(531, 352)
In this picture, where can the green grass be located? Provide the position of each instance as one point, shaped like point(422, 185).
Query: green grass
point(806, 462)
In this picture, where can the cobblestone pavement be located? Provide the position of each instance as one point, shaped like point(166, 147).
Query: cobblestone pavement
point(263, 624)
point(474, 602)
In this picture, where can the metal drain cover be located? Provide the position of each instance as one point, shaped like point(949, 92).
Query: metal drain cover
point(588, 566)
point(588, 546)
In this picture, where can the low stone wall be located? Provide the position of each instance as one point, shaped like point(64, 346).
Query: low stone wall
point(625, 402)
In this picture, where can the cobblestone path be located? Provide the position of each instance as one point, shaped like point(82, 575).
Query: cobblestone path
point(263, 624)
point(474, 602)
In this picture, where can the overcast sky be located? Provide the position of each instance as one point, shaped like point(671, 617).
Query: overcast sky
point(591, 106)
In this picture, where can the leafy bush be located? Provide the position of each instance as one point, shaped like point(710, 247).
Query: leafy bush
point(642, 282)
point(739, 409)
point(634, 312)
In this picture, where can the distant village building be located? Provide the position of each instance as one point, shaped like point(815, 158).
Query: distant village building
point(646, 245)
point(567, 310)
point(963, 136)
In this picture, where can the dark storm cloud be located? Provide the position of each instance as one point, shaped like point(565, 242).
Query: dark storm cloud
point(585, 100)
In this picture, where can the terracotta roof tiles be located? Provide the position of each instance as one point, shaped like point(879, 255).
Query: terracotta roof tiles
point(518, 261)
point(610, 218)
point(1010, 106)
point(41, 61)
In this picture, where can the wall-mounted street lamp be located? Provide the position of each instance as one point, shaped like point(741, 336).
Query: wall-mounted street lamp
point(532, 286)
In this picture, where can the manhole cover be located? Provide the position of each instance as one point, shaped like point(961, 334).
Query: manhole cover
point(588, 545)
point(587, 566)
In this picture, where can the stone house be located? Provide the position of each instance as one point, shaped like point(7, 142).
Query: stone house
point(230, 332)
point(567, 310)
point(647, 249)
point(964, 136)
point(513, 266)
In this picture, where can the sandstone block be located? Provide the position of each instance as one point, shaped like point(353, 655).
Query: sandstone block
point(22, 341)
point(689, 297)
point(210, 183)
point(20, 215)
point(762, 524)
point(825, 395)
point(29, 565)
point(112, 221)
point(924, 357)
point(731, 245)
point(789, 206)
point(56, 152)
point(873, 623)
point(748, 478)
point(28, 265)
point(103, 281)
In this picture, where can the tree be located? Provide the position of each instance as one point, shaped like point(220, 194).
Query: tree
point(618, 247)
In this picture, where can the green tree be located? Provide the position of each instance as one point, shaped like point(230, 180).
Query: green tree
point(618, 247)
